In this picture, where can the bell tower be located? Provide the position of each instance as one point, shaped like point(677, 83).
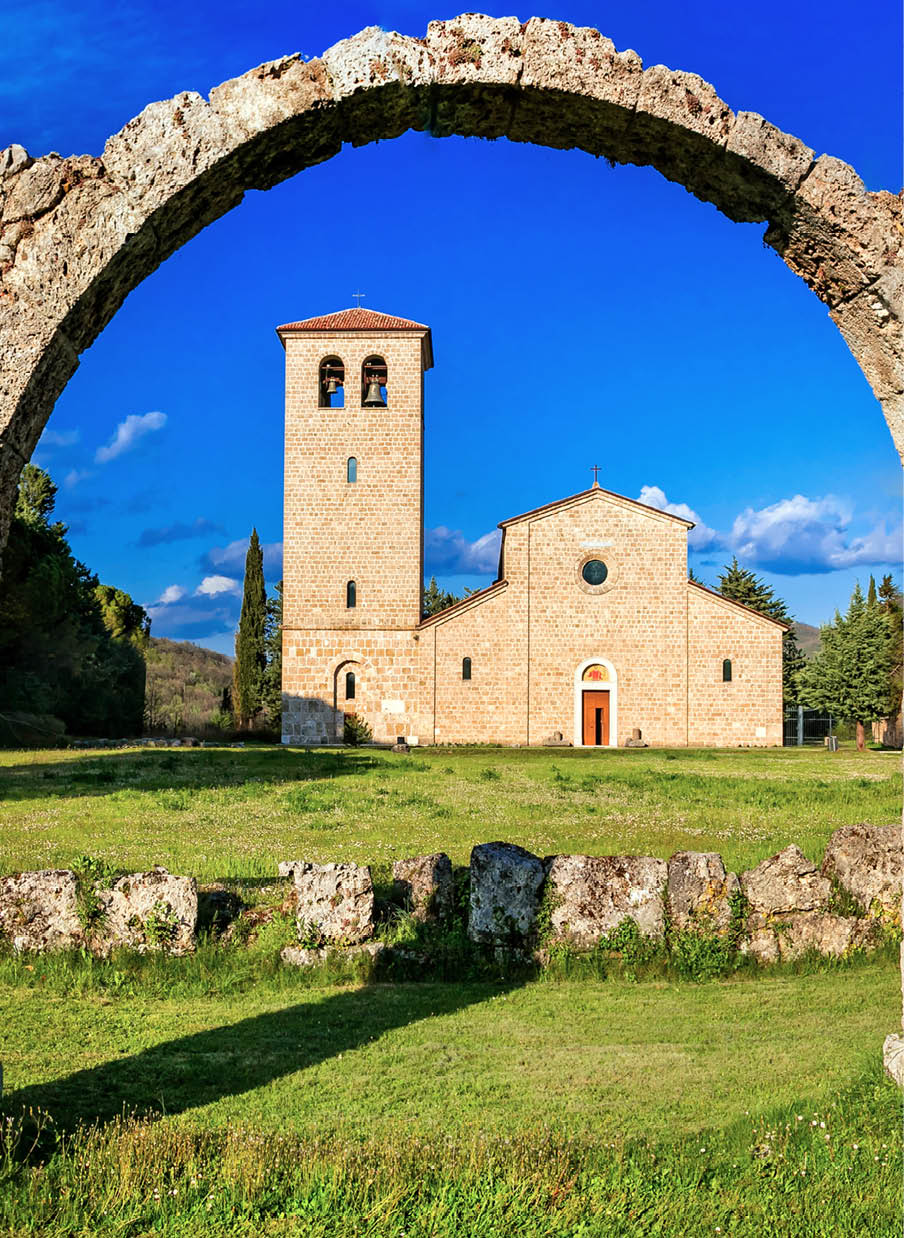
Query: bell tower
point(353, 509)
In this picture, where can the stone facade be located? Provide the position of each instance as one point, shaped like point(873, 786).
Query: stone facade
point(653, 643)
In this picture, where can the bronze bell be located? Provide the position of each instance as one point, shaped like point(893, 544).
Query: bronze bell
point(332, 386)
point(373, 399)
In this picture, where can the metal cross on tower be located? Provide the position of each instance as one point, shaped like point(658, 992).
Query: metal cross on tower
point(358, 296)
point(595, 469)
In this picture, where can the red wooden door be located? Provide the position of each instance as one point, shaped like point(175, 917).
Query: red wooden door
point(596, 718)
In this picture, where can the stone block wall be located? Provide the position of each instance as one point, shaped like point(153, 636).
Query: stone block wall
point(776, 911)
point(748, 710)
point(368, 531)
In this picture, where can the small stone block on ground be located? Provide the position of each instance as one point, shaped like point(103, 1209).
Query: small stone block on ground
point(149, 911)
point(867, 861)
point(335, 901)
point(426, 884)
point(39, 910)
point(591, 895)
point(700, 892)
point(785, 883)
point(506, 883)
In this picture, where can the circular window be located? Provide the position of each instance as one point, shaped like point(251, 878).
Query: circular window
point(594, 571)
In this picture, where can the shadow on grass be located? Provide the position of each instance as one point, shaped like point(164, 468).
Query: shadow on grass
point(149, 769)
point(196, 1070)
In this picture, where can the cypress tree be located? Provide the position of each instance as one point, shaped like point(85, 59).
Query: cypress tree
point(272, 683)
point(250, 651)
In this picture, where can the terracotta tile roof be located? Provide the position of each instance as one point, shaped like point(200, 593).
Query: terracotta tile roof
point(695, 584)
point(356, 319)
point(585, 494)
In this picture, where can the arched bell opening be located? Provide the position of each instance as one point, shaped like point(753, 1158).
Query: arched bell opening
point(373, 383)
point(332, 383)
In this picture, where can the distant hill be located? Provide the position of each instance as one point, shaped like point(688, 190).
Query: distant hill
point(807, 638)
point(185, 685)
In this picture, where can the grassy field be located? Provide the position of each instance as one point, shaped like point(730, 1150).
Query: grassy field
point(283, 1104)
point(237, 812)
point(226, 1094)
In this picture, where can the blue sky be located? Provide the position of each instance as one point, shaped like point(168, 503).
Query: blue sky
point(581, 314)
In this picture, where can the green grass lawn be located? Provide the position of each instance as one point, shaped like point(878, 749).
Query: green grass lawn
point(237, 812)
point(288, 1106)
point(267, 1101)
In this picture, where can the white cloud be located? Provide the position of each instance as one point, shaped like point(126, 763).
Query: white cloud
point(700, 537)
point(188, 620)
point(232, 557)
point(213, 586)
point(74, 476)
point(128, 433)
point(449, 551)
point(59, 438)
point(810, 535)
point(171, 594)
point(791, 536)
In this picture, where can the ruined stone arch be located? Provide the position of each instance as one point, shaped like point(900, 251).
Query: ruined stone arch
point(78, 234)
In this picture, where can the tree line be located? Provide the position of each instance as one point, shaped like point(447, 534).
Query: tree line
point(71, 649)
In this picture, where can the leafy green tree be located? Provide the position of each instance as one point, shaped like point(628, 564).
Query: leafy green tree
point(57, 657)
point(741, 585)
point(692, 575)
point(123, 618)
point(272, 689)
point(250, 653)
point(36, 497)
point(851, 675)
point(436, 599)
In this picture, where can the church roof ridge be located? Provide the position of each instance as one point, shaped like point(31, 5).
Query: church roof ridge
point(586, 494)
point(357, 318)
point(751, 610)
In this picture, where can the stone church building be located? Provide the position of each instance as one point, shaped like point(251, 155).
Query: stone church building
point(590, 632)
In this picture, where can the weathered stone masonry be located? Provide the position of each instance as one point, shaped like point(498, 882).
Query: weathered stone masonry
point(647, 643)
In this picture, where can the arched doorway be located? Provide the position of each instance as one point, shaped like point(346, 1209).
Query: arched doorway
point(596, 704)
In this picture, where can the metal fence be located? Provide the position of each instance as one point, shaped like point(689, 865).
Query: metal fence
point(806, 726)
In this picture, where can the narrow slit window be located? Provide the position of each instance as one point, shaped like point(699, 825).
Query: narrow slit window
point(466, 668)
point(726, 670)
point(351, 595)
point(351, 469)
point(350, 685)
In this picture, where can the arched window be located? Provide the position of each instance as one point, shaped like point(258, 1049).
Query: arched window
point(373, 383)
point(349, 685)
point(466, 668)
point(332, 383)
point(726, 670)
point(351, 469)
point(351, 595)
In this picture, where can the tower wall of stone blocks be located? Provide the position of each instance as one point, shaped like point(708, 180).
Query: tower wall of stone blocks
point(368, 530)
